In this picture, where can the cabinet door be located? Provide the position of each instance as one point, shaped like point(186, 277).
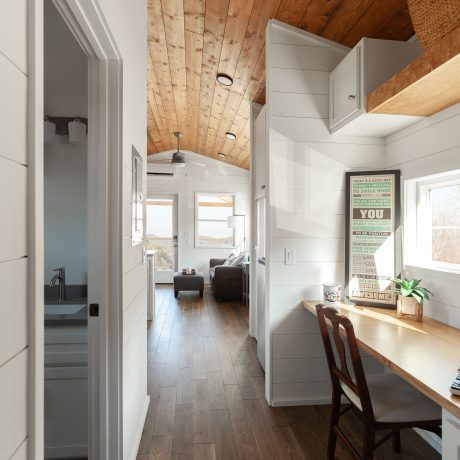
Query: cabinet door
point(344, 88)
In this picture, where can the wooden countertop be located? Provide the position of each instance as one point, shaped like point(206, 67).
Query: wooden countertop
point(426, 354)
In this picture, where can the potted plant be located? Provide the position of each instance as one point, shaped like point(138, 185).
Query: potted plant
point(410, 298)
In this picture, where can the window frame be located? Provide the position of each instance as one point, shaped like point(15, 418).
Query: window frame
point(197, 220)
point(418, 250)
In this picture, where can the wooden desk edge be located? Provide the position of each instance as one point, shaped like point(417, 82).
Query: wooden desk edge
point(451, 404)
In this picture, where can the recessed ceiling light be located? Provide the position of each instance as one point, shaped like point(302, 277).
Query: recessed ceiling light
point(230, 136)
point(222, 155)
point(224, 79)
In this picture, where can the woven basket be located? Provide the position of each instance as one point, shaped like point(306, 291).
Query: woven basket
point(433, 19)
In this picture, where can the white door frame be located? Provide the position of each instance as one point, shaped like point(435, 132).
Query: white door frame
point(105, 154)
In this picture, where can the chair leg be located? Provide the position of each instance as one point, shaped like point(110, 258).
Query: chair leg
point(396, 440)
point(369, 443)
point(332, 441)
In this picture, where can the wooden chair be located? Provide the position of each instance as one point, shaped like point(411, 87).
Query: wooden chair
point(384, 401)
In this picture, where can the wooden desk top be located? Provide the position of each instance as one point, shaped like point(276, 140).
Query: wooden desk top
point(426, 354)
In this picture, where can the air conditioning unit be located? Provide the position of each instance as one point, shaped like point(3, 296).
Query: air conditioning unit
point(159, 170)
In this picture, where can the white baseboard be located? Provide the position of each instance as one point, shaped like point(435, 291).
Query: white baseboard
point(431, 438)
point(140, 429)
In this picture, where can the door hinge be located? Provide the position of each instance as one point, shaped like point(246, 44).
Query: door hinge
point(94, 309)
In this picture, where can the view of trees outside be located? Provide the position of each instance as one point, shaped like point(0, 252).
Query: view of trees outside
point(159, 232)
point(445, 212)
point(213, 211)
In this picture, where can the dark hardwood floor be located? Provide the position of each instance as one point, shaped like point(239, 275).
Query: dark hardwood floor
point(207, 393)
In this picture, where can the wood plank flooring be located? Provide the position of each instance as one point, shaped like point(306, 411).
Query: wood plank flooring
point(207, 393)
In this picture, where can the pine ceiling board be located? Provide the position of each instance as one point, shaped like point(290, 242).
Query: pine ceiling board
point(193, 58)
point(318, 14)
point(345, 17)
point(173, 18)
point(151, 148)
point(253, 44)
point(160, 62)
point(156, 105)
point(373, 20)
point(291, 11)
point(190, 41)
point(239, 13)
point(194, 11)
point(399, 27)
point(214, 29)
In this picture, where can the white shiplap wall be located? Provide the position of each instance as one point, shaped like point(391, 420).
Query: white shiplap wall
point(306, 205)
point(216, 177)
point(431, 146)
point(13, 231)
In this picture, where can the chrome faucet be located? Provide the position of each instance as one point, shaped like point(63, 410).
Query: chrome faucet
point(60, 278)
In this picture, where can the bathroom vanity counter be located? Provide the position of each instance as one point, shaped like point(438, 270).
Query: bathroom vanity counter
point(72, 312)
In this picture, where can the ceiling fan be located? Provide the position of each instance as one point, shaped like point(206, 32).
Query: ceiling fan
point(178, 158)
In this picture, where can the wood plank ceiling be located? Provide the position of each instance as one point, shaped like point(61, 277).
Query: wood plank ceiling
point(191, 41)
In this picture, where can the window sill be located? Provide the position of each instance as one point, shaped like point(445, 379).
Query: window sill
point(433, 272)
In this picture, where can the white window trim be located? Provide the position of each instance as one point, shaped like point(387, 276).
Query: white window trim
point(208, 246)
point(417, 251)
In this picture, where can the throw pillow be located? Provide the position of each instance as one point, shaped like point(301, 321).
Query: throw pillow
point(231, 257)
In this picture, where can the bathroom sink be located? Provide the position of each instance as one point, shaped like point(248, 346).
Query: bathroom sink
point(63, 309)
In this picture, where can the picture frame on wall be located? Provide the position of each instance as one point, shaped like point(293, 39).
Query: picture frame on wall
point(137, 198)
point(372, 237)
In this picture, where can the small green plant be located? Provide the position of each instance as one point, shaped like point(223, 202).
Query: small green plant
point(412, 288)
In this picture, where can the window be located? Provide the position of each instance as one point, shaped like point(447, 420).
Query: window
point(212, 210)
point(432, 233)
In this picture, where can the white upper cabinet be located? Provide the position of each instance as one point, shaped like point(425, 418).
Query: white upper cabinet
point(344, 88)
point(369, 64)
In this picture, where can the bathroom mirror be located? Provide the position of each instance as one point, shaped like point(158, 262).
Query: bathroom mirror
point(137, 198)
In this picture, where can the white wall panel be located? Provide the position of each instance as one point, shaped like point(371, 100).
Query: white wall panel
point(21, 453)
point(300, 105)
point(13, 206)
point(304, 57)
point(13, 100)
point(307, 167)
point(13, 404)
point(431, 146)
point(14, 33)
point(13, 310)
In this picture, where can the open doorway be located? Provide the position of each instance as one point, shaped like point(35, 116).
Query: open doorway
point(66, 421)
point(102, 192)
point(161, 235)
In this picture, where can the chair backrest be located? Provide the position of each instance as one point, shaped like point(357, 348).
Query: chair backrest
point(354, 388)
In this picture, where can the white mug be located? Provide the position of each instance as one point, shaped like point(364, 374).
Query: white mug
point(332, 294)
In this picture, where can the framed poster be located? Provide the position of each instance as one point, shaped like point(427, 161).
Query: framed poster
point(372, 237)
point(137, 198)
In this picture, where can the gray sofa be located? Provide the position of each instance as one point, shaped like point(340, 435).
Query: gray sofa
point(226, 280)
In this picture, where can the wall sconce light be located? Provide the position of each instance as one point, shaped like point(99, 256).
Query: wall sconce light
point(77, 132)
point(49, 131)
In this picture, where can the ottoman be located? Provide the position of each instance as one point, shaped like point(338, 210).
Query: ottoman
point(188, 283)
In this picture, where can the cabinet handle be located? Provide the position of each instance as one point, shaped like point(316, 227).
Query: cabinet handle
point(352, 97)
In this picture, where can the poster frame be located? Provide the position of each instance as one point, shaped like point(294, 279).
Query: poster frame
point(397, 230)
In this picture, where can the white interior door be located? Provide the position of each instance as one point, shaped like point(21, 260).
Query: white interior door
point(161, 235)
